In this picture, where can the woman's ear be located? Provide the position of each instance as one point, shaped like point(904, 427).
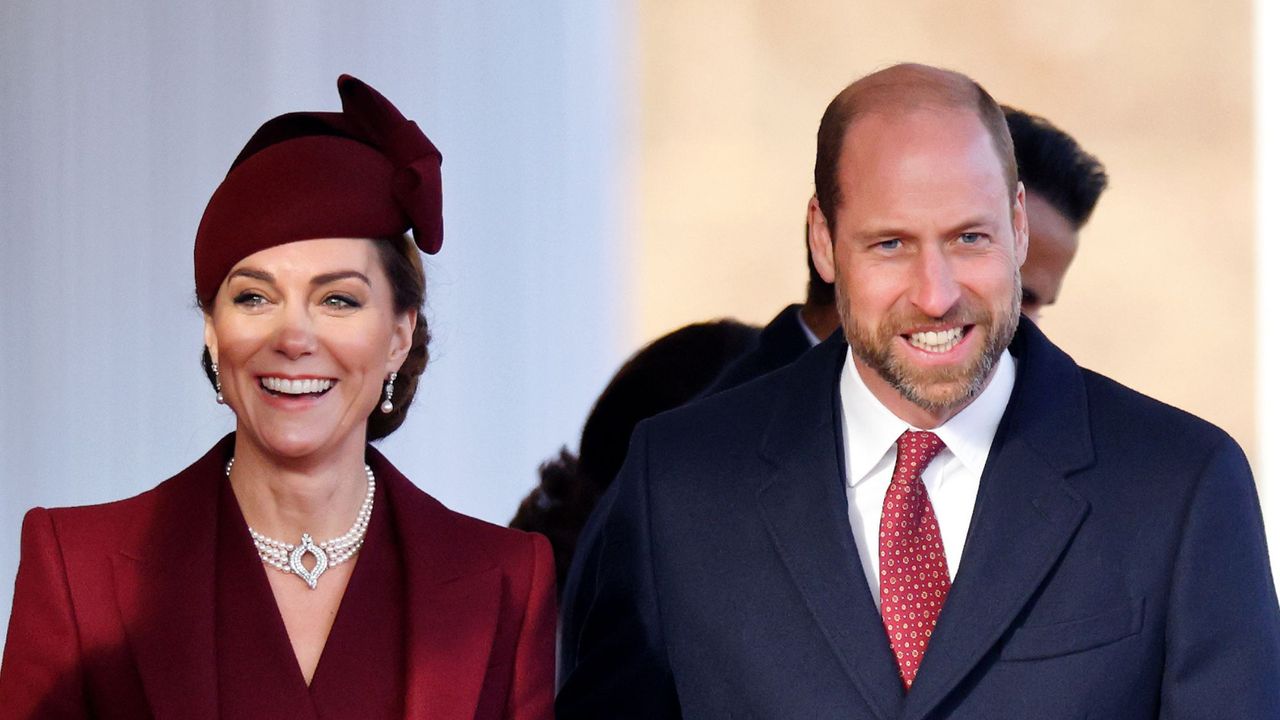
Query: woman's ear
point(210, 338)
point(401, 339)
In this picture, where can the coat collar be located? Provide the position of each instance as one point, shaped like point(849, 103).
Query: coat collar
point(452, 606)
point(1024, 518)
point(164, 586)
point(1023, 502)
point(785, 333)
point(803, 504)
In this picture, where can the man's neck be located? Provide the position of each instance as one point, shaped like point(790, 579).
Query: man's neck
point(822, 320)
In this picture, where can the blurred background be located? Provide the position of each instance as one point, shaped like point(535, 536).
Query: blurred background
point(612, 171)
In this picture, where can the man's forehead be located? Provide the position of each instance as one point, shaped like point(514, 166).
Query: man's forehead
point(925, 141)
point(895, 128)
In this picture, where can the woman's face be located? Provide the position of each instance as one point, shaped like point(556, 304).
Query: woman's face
point(304, 335)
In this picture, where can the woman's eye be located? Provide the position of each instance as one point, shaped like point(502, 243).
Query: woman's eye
point(341, 302)
point(250, 299)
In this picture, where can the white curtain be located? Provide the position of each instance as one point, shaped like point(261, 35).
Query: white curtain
point(117, 121)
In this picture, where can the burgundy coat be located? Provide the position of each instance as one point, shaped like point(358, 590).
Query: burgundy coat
point(113, 610)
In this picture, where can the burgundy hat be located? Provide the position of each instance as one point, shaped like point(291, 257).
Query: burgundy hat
point(365, 172)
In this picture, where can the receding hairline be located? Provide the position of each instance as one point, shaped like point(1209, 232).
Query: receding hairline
point(899, 90)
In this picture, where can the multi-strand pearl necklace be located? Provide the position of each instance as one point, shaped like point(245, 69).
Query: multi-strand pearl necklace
point(287, 558)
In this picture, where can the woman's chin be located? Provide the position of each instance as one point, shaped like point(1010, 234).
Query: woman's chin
point(293, 446)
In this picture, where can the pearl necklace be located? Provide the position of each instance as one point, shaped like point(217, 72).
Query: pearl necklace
point(287, 558)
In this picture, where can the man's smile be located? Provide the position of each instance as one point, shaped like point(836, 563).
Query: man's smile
point(937, 341)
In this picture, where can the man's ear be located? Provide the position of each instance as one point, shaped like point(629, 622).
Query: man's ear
point(1021, 229)
point(821, 244)
point(401, 339)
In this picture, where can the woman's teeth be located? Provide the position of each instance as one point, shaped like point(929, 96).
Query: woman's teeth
point(937, 342)
point(296, 387)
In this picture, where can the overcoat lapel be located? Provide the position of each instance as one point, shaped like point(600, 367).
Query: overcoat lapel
point(451, 611)
point(164, 586)
point(803, 503)
point(1024, 518)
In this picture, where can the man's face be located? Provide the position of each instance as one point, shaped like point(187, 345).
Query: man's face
point(1053, 247)
point(925, 257)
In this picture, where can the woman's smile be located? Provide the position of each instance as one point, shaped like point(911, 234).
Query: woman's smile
point(305, 335)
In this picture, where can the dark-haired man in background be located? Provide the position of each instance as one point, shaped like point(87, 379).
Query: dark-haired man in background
point(935, 513)
point(1063, 185)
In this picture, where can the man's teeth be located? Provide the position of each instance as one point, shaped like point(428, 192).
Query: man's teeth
point(937, 341)
point(296, 387)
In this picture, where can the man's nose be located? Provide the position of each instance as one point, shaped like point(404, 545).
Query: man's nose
point(936, 290)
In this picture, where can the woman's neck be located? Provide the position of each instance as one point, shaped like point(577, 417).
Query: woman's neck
point(285, 497)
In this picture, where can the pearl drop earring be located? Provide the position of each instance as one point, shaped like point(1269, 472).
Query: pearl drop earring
point(387, 407)
point(217, 383)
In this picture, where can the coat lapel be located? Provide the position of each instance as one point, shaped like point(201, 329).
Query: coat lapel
point(164, 587)
point(1024, 518)
point(803, 503)
point(451, 610)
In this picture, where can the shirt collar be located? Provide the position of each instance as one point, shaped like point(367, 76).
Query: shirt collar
point(804, 326)
point(871, 429)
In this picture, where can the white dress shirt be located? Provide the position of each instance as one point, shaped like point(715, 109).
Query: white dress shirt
point(871, 434)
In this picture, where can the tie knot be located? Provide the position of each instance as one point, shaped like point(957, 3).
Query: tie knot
point(915, 451)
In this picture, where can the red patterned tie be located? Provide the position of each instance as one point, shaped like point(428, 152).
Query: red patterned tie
point(913, 565)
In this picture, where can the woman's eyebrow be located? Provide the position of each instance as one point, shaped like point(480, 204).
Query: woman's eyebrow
point(327, 278)
point(254, 274)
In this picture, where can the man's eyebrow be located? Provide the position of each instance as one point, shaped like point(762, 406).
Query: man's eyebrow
point(977, 221)
point(327, 278)
point(877, 231)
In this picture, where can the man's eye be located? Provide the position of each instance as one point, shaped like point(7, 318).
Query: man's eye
point(890, 244)
point(971, 238)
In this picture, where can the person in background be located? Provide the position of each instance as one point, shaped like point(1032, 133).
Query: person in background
point(664, 374)
point(1063, 184)
point(788, 335)
point(293, 572)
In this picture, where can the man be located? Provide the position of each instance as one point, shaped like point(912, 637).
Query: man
point(1063, 184)
point(943, 517)
point(788, 335)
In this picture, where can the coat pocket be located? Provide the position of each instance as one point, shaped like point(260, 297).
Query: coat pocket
point(1072, 636)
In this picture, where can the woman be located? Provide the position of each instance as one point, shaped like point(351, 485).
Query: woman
point(293, 571)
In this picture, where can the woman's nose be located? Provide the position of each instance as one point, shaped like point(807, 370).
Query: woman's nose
point(295, 337)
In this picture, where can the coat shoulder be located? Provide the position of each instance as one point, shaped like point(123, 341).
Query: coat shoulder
point(736, 410)
point(1121, 414)
point(473, 545)
point(102, 526)
point(503, 546)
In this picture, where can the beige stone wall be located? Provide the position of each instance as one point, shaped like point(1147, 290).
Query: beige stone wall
point(1161, 295)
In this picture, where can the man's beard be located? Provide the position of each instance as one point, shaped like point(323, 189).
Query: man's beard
point(937, 388)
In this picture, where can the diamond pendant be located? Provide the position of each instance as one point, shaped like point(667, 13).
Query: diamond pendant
point(295, 561)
